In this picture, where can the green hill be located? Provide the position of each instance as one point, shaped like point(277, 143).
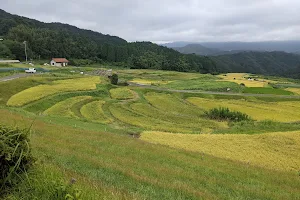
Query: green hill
point(47, 40)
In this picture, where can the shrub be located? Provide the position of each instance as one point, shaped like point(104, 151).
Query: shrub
point(243, 85)
point(114, 79)
point(15, 156)
point(226, 114)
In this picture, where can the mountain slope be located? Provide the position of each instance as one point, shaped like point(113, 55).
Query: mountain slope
point(287, 46)
point(8, 21)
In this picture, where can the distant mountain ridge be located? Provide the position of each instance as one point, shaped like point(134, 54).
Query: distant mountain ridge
point(199, 49)
point(269, 63)
point(287, 46)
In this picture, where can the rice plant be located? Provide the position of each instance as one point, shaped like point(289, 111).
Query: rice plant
point(283, 111)
point(121, 93)
point(41, 91)
point(276, 151)
point(93, 111)
point(64, 108)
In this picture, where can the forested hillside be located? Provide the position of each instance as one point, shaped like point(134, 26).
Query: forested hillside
point(268, 63)
point(47, 40)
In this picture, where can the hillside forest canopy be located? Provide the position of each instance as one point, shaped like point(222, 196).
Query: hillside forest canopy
point(47, 40)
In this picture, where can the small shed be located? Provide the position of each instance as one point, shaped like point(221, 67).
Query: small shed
point(59, 62)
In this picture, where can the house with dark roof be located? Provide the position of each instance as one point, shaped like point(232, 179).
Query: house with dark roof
point(59, 62)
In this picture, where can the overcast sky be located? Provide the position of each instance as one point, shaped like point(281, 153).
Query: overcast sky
point(171, 20)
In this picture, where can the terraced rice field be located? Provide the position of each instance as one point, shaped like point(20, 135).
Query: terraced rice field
point(277, 111)
point(165, 112)
point(93, 111)
point(41, 91)
point(122, 93)
point(219, 159)
point(240, 78)
point(64, 108)
point(149, 82)
point(294, 90)
point(277, 151)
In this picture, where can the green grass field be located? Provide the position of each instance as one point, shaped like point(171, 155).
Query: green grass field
point(260, 90)
point(130, 142)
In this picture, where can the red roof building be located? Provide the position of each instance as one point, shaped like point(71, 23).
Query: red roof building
point(59, 62)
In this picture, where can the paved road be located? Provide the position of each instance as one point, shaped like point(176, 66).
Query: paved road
point(15, 76)
point(214, 93)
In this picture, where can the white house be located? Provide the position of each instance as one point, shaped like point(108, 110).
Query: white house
point(59, 62)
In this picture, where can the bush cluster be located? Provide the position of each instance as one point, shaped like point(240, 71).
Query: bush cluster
point(15, 156)
point(226, 114)
point(114, 79)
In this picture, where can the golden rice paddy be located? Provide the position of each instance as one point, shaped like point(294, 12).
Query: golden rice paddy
point(294, 90)
point(41, 91)
point(241, 78)
point(64, 108)
point(278, 151)
point(288, 111)
point(93, 112)
point(149, 82)
point(121, 93)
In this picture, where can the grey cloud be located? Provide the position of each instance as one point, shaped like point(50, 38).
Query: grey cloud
point(171, 20)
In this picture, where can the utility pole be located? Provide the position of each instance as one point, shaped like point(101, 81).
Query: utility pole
point(25, 49)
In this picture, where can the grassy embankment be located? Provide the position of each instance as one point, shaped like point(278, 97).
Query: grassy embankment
point(115, 166)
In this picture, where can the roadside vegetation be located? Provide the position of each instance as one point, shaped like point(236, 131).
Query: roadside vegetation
point(15, 157)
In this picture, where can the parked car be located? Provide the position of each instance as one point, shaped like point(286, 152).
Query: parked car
point(30, 70)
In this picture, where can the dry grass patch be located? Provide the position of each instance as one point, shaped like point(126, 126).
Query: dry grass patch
point(278, 151)
point(258, 110)
point(41, 91)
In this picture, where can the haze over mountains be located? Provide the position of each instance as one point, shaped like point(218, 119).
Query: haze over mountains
point(219, 48)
